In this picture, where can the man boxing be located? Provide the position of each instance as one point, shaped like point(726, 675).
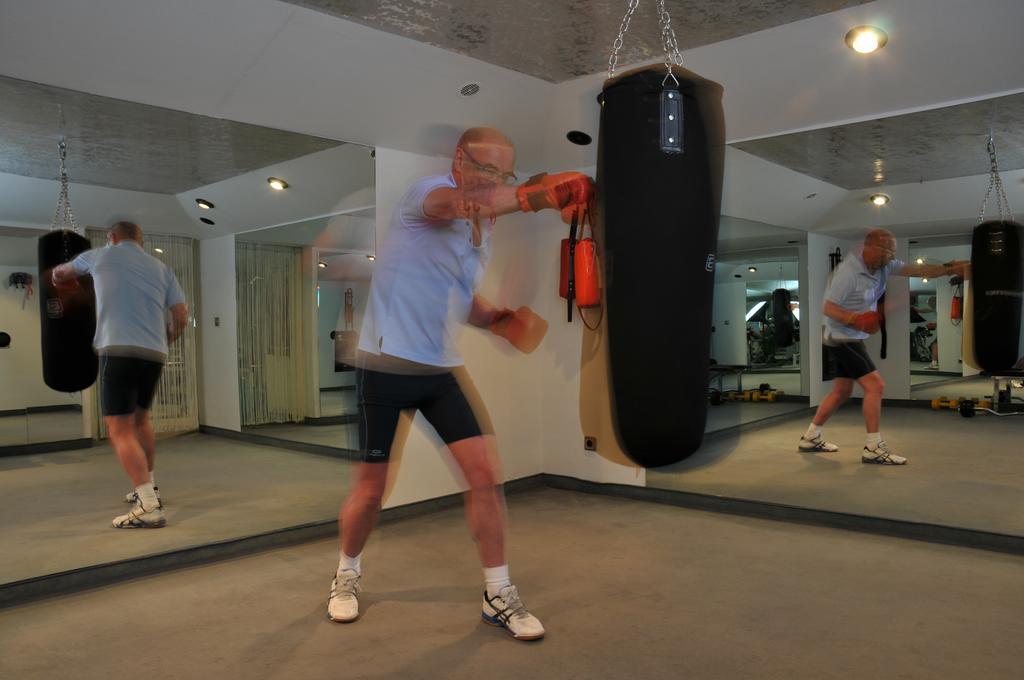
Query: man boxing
point(134, 292)
point(851, 316)
point(422, 292)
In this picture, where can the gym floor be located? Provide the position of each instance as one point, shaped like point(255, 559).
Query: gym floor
point(638, 590)
point(961, 472)
point(56, 508)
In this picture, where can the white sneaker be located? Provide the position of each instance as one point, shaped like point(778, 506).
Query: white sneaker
point(342, 605)
point(507, 611)
point(140, 518)
point(881, 455)
point(817, 445)
point(133, 497)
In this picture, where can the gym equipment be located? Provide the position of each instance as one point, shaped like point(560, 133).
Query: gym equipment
point(869, 322)
point(997, 287)
point(644, 370)
point(558, 191)
point(782, 317)
point(997, 265)
point(67, 313)
point(954, 404)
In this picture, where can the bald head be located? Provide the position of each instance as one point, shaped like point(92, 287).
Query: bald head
point(483, 156)
point(125, 231)
point(879, 248)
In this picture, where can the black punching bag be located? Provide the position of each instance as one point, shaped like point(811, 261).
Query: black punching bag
point(68, 321)
point(997, 269)
point(782, 317)
point(659, 176)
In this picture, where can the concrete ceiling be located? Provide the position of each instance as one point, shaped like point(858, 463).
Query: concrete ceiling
point(124, 145)
point(941, 143)
point(578, 34)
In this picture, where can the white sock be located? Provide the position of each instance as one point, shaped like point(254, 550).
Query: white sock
point(351, 563)
point(874, 439)
point(496, 578)
point(813, 432)
point(147, 496)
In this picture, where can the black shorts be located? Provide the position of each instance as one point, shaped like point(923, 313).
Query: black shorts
point(127, 384)
point(848, 360)
point(383, 396)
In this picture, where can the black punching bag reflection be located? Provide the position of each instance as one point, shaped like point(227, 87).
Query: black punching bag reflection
point(68, 320)
point(782, 318)
point(660, 212)
point(997, 270)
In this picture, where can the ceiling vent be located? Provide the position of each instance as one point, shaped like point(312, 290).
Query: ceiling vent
point(469, 89)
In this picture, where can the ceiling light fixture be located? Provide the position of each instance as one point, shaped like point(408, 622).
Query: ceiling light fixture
point(866, 39)
point(879, 199)
point(277, 184)
point(207, 220)
point(321, 264)
point(751, 269)
point(371, 258)
point(925, 280)
point(158, 250)
point(919, 260)
point(204, 204)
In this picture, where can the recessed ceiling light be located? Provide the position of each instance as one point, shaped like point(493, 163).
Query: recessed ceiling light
point(578, 137)
point(879, 199)
point(751, 269)
point(919, 260)
point(206, 220)
point(277, 184)
point(924, 280)
point(866, 39)
point(321, 264)
point(204, 204)
point(158, 250)
point(371, 258)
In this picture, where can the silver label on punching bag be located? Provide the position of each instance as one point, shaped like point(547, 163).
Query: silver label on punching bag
point(671, 121)
point(54, 308)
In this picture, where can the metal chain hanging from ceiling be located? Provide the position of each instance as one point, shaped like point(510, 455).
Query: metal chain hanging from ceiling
point(995, 182)
point(64, 216)
point(668, 40)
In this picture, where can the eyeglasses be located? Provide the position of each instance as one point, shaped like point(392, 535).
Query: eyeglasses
point(495, 174)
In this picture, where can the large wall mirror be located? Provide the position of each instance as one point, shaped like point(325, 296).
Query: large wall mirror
point(932, 168)
point(300, 260)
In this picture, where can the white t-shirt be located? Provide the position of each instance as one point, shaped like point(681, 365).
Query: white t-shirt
point(424, 278)
point(855, 288)
point(133, 292)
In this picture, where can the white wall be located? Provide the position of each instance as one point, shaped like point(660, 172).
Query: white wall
point(21, 363)
point(509, 382)
point(331, 318)
point(219, 341)
point(729, 341)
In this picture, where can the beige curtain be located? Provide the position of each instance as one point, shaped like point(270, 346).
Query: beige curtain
point(176, 406)
point(273, 380)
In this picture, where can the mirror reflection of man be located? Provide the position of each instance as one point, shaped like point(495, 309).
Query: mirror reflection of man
point(422, 293)
point(135, 292)
point(851, 316)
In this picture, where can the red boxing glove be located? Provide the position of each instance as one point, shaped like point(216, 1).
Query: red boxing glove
point(555, 192)
point(524, 329)
point(869, 322)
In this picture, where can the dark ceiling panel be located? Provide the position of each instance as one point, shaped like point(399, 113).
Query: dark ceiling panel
point(557, 40)
point(914, 147)
point(124, 145)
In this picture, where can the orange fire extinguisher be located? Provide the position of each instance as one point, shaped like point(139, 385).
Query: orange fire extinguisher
point(579, 282)
point(956, 308)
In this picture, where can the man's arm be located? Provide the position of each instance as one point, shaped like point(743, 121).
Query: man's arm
point(63, 273)
point(931, 271)
point(484, 314)
point(862, 321)
point(179, 317)
point(541, 192)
